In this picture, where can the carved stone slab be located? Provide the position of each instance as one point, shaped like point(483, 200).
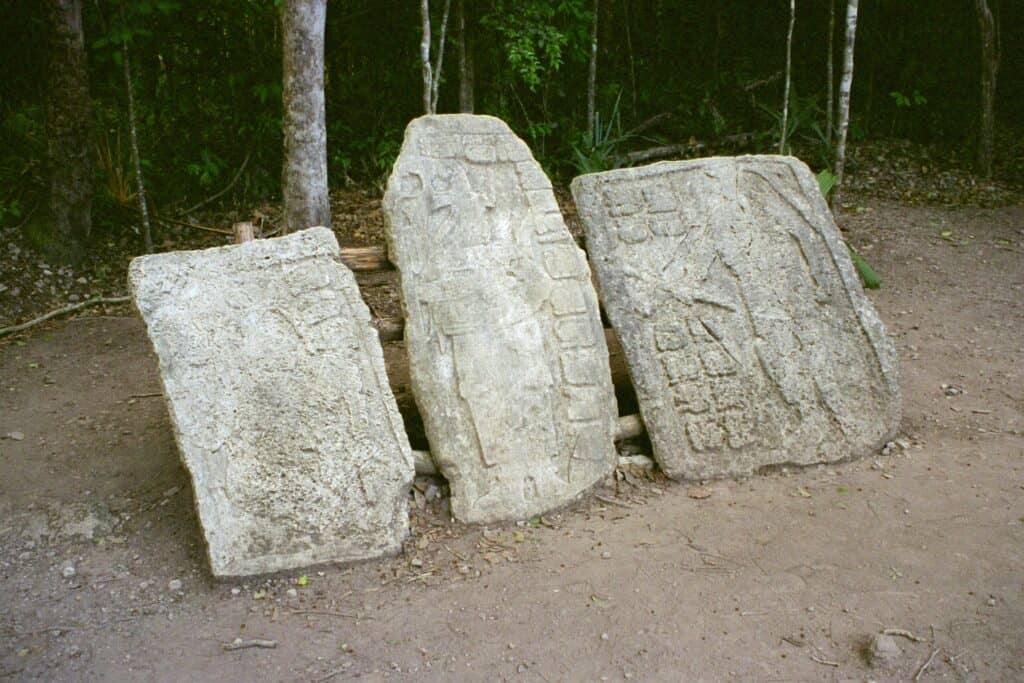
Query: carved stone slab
point(748, 337)
point(508, 360)
point(280, 405)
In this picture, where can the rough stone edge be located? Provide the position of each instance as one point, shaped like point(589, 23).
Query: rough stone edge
point(376, 352)
point(868, 318)
point(493, 125)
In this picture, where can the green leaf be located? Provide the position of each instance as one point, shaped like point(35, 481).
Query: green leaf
point(867, 274)
point(826, 181)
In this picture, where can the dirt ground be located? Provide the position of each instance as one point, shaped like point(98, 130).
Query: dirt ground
point(783, 576)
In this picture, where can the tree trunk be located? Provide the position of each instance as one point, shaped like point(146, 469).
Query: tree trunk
point(67, 127)
point(830, 78)
point(592, 78)
point(989, 70)
point(844, 104)
point(789, 78)
point(306, 199)
point(436, 84)
point(140, 186)
point(425, 56)
point(465, 63)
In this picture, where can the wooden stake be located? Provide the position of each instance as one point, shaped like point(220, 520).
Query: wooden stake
point(244, 232)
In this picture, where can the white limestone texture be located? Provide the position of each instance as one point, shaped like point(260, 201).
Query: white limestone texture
point(280, 404)
point(745, 328)
point(507, 354)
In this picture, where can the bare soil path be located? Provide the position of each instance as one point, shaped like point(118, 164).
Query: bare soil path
point(784, 576)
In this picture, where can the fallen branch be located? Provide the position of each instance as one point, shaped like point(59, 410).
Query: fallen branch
point(70, 308)
point(665, 151)
point(753, 85)
point(239, 644)
point(220, 194)
point(902, 632)
point(927, 663)
point(611, 501)
point(627, 427)
point(219, 231)
point(826, 662)
point(322, 613)
point(648, 123)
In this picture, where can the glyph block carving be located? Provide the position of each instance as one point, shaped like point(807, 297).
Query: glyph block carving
point(745, 328)
point(275, 382)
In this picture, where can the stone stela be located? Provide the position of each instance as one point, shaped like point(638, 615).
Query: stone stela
point(280, 404)
point(745, 328)
point(508, 360)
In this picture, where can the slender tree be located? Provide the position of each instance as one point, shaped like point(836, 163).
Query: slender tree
point(428, 79)
point(990, 54)
point(68, 125)
point(592, 77)
point(136, 159)
point(830, 84)
point(306, 200)
point(844, 103)
point(789, 77)
point(436, 83)
point(465, 62)
point(140, 186)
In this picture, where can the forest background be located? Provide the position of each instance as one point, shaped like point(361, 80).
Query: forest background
point(693, 77)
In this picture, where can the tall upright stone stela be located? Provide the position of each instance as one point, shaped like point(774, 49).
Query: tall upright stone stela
point(745, 328)
point(275, 381)
point(508, 359)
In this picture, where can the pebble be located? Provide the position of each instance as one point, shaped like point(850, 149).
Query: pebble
point(606, 555)
point(236, 591)
point(15, 436)
point(884, 650)
point(292, 593)
point(416, 562)
point(604, 636)
point(174, 585)
point(68, 571)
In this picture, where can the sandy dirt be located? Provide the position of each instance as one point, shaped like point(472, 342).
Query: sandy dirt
point(784, 576)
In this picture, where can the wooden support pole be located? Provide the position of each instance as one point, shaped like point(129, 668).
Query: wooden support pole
point(244, 232)
point(629, 426)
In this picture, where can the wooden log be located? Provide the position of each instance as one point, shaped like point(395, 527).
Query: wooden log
point(629, 426)
point(366, 258)
point(244, 232)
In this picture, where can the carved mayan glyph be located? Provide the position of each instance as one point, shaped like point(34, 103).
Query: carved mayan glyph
point(280, 405)
point(746, 331)
point(508, 360)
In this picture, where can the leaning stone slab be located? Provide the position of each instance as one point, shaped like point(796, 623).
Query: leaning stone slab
point(747, 334)
point(507, 355)
point(280, 405)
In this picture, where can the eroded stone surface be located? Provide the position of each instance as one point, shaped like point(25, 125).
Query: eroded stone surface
point(748, 337)
point(279, 401)
point(508, 360)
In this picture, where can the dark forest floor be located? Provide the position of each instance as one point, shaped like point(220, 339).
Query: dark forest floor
point(783, 576)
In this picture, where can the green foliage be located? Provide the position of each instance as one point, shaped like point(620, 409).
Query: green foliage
point(826, 181)
point(902, 101)
point(603, 152)
point(536, 34)
point(867, 274)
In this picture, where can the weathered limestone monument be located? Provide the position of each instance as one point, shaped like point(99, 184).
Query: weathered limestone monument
point(508, 360)
point(280, 405)
point(747, 334)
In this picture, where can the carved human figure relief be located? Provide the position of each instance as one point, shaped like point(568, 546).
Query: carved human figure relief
point(508, 360)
